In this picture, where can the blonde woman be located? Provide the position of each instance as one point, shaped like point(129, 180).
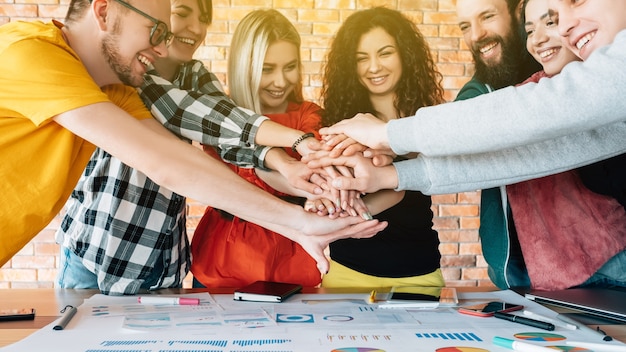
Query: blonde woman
point(264, 75)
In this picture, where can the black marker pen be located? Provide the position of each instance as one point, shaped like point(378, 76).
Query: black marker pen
point(526, 321)
point(68, 313)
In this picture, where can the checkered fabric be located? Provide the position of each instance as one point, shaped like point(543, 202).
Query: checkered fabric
point(123, 225)
point(195, 107)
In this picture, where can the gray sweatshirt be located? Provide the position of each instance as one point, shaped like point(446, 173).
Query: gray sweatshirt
point(518, 133)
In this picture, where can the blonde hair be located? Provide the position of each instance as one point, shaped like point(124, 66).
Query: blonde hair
point(253, 36)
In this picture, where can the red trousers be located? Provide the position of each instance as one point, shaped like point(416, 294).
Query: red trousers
point(234, 253)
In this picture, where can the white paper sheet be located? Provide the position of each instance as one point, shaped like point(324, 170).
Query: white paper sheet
point(302, 324)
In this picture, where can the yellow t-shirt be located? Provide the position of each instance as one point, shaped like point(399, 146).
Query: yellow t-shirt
point(41, 77)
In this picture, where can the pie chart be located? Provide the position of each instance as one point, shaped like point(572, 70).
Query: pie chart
point(539, 336)
point(569, 348)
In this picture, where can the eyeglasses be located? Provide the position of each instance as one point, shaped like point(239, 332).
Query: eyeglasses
point(159, 31)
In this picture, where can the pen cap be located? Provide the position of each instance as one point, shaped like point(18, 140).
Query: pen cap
point(188, 301)
point(502, 342)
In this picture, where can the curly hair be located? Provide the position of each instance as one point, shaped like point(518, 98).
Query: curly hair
point(343, 96)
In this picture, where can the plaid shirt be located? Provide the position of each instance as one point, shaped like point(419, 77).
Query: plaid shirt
point(124, 226)
point(184, 108)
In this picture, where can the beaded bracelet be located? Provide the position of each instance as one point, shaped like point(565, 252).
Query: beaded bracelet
point(300, 139)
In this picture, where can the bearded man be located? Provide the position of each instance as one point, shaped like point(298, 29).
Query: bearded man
point(492, 31)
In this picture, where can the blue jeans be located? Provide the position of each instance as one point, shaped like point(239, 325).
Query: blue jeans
point(73, 274)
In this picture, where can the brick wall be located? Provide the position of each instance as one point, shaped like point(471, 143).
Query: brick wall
point(456, 215)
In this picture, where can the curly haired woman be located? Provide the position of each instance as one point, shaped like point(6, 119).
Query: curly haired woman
point(380, 63)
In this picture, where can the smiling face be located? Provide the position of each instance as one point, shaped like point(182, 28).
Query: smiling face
point(485, 25)
point(490, 32)
point(543, 41)
point(280, 76)
point(188, 28)
point(126, 47)
point(379, 66)
point(589, 24)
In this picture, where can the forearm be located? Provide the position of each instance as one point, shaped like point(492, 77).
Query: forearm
point(293, 171)
point(278, 182)
point(276, 162)
point(211, 182)
point(382, 200)
point(276, 135)
point(441, 175)
point(277, 159)
point(189, 171)
point(208, 119)
point(517, 116)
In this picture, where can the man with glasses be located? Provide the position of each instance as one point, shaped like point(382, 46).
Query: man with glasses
point(159, 31)
point(61, 95)
point(120, 242)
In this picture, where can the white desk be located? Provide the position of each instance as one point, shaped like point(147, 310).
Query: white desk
point(48, 303)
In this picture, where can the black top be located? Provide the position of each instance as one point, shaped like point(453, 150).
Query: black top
point(408, 246)
point(607, 177)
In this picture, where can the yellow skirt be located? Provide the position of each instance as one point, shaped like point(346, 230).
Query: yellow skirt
point(342, 276)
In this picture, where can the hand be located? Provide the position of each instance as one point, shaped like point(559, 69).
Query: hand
point(340, 144)
point(321, 206)
point(323, 179)
point(300, 176)
point(332, 201)
point(308, 146)
point(361, 209)
point(342, 198)
point(380, 157)
point(363, 128)
point(318, 232)
point(324, 205)
point(367, 177)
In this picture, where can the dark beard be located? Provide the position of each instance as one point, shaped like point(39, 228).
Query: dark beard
point(507, 71)
point(110, 51)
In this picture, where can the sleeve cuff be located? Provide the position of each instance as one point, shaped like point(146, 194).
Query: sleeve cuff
point(412, 175)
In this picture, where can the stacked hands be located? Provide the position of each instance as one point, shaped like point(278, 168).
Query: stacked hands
point(349, 162)
point(353, 158)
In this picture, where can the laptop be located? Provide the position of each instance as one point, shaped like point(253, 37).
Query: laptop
point(602, 302)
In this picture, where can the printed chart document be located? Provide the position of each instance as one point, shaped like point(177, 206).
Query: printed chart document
point(304, 323)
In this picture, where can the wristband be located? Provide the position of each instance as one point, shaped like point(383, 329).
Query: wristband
point(300, 139)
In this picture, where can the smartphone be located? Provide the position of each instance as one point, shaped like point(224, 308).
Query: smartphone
point(419, 297)
point(410, 300)
point(409, 296)
point(489, 309)
point(17, 314)
point(267, 291)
